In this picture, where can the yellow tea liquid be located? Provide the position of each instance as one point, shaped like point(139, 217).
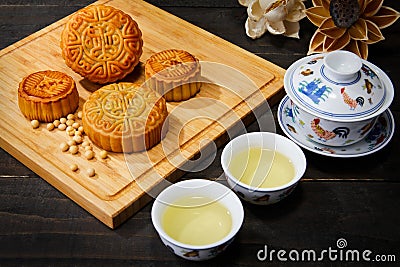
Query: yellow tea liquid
point(197, 221)
point(263, 168)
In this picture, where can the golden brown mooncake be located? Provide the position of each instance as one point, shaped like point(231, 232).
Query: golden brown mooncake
point(173, 73)
point(47, 95)
point(125, 117)
point(101, 43)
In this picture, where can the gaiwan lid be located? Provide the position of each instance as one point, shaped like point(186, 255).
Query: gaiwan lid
point(337, 86)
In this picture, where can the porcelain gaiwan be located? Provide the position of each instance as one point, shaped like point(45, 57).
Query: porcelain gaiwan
point(336, 97)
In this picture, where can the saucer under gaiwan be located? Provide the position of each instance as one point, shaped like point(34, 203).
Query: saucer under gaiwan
point(379, 136)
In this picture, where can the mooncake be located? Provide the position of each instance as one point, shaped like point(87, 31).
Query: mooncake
point(175, 74)
point(47, 95)
point(101, 43)
point(125, 117)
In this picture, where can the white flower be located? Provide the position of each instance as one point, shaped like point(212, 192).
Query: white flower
point(275, 16)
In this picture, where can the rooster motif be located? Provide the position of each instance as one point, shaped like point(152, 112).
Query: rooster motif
point(314, 60)
point(291, 128)
point(368, 85)
point(325, 135)
point(368, 71)
point(192, 253)
point(307, 72)
point(351, 102)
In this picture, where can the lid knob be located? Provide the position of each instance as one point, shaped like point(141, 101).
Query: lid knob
point(342, 65)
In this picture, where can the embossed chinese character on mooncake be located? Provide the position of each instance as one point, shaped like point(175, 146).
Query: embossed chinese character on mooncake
point(47, 95)
point(173, 73)
point(125, 117)
point(101, 43)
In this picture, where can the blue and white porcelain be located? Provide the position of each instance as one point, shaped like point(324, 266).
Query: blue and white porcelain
point(379, 136)
point(336, 97)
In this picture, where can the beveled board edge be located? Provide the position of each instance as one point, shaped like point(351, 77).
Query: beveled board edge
point(119, 216)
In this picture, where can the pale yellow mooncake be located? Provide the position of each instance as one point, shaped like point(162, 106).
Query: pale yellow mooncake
point(125, 117)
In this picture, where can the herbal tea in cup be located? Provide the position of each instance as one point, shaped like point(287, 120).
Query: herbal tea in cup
point(197, 220)
point(262, 167)
point(259, 167)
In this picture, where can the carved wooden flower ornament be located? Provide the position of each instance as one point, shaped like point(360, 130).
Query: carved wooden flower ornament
point(274, 16)
point(348, 24)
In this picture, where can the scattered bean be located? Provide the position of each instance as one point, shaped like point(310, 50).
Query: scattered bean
point(103, 154)
point(80, 114)
point(62, 127)
point(71, 143)
point(56, 123)
point(63, 120)
point(50, 126)
point(89, 154)
point(35, 124)
point(70, 122)
point(73, 167)
point(76, 125)
point(64, 146)
point(70, 117)
point(85, 143)
point(73, 149)
point(78, 139)
point(91, 172)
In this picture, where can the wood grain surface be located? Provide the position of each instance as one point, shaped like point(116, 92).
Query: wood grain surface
point(356, 199)
point(123, 182)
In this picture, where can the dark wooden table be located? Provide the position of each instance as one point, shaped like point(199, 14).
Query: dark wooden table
point(356, 199)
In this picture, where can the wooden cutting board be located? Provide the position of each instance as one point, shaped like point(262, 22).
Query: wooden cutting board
point(125, 183)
